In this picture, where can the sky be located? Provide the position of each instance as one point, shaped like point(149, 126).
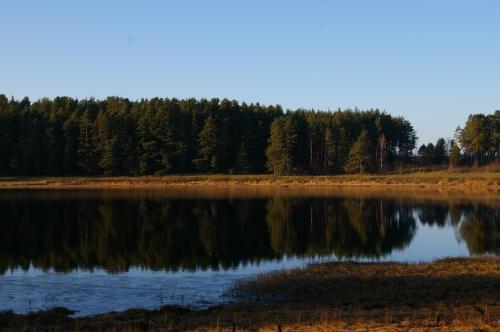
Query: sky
point(433, 62)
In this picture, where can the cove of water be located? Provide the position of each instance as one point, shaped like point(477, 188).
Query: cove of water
point(100, 251)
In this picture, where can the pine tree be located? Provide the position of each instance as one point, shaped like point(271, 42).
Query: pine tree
point(282, 144)
point(422, 152)
point(32, 147)
point(475, 137)
point(439, 151)
point(110, 157)
point(208, 159)
point(244, 162)
point(149, 159)
point(429, 153)
point(359, 159)
point(330, 150)
point(9, 135)
point(71, 137)
point(455, 155)
point(87, 145)
point(343, 149)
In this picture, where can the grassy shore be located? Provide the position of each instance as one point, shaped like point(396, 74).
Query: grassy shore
point(484, 180)
point(450, 294)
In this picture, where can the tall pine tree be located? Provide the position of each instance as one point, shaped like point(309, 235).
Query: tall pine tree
point(282, 144)
point(360, 159)
point(208, 158)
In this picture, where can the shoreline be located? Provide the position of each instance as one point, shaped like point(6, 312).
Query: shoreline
point(474, 181)
point(452, 293)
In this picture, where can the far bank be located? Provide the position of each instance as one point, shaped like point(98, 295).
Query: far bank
point(487, 181)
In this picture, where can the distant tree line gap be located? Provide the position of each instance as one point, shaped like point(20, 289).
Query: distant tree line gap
point(116, 136)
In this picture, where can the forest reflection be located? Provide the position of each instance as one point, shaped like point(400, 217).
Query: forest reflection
point(188, 234)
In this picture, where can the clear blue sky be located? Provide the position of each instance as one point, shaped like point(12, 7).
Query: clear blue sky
point(433, 62)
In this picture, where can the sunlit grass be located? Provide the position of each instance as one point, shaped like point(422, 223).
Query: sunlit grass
point(402, 177)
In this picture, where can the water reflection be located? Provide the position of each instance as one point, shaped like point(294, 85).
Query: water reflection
point(119, 232)
point(480, 229)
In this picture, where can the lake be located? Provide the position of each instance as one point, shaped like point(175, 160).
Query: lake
point(105, 250)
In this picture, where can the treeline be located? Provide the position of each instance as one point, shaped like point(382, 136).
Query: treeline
point(335, 142)
point(476, 144)
point(116, 136)
point(479, 139)
point(119, 137)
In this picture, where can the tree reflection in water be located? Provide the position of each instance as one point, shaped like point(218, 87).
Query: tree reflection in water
point(116, 233)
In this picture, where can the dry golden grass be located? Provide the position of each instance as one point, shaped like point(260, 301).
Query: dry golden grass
point(447, 295)
point(477, 180)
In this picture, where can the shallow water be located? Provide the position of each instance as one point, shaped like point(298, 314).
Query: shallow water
point(97, 251)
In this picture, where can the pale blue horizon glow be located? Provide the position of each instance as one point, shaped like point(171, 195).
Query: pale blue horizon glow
point(433, 62)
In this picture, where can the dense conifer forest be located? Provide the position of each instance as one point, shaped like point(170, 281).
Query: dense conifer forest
point(116, 136)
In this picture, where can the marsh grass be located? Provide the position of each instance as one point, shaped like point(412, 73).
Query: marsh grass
point(489, 178)
point(378, 284)
point(449, 295)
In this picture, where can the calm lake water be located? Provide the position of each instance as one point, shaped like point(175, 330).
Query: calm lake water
point(97, 251)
